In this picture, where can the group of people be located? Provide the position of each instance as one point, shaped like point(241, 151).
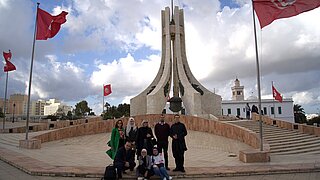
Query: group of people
point(152, 152)
point(254, 109)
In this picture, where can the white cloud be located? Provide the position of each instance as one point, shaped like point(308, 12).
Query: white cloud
point(126, 75)
point(102, 43)
point(303, 98)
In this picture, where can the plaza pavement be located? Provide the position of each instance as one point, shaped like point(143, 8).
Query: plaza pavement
point(207, 156)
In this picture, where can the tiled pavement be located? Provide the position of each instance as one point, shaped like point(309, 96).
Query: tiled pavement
point(208, 156)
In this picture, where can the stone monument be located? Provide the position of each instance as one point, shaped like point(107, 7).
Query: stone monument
point(174, 70)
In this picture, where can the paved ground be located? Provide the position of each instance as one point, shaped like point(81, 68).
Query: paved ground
point(8, 172)
point(207, 154)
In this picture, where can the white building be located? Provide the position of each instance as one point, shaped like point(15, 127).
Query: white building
point(52, 106)
point(269, 107)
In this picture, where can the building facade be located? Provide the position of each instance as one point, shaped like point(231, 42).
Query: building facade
point(269, 107)
point(17, 105)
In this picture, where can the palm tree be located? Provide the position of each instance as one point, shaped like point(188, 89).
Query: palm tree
point(106, 105)
point(299, 114)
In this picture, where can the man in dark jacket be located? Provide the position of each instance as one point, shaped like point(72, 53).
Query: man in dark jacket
point(124, 159)
point(178, 131)
point(162, 132)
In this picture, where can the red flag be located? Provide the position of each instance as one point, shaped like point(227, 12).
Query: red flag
point(7, 56)
point(8, 66)
point(107, 89)
point(47, 25)
point(270, 10)
point(277, 96)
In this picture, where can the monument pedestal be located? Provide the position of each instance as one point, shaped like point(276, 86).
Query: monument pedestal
point(30, 144)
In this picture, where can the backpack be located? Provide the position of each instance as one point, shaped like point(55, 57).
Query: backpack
point(110, 173)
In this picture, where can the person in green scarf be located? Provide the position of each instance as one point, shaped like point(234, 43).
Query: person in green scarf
point(117, 139)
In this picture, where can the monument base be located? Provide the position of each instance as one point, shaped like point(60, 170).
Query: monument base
point(30, 144)
point(254, 156)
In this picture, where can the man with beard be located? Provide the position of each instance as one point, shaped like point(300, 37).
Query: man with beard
point(177, 132)
point(162, 132)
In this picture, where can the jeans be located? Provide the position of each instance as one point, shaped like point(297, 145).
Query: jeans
point(161, 171)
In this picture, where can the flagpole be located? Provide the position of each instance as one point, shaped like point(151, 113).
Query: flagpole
point(30, 78)
point(5, 100)
point(273, 100)
point(258, 79)
point(102, 99)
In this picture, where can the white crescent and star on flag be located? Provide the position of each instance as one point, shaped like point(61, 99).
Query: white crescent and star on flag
point(106, 90)
point(282, 4)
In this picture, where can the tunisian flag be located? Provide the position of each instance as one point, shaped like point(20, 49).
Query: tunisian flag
point(270, 10)
point(107, 89)
point(47, 25)
point(277, 96)
point(8, 66)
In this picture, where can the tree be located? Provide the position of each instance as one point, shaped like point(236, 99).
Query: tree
point(82, 108)
point(299, 114)
point(69, 115)
point(107, 106)
point(117, 112)
point(314, 120)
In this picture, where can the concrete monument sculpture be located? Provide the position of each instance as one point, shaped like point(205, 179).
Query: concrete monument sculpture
point(174, 70)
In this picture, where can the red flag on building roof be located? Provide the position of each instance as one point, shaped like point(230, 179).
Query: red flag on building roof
point(270, 10)
point(8, 66)
point(47, 25)
point(277, 96)
point(107, 89)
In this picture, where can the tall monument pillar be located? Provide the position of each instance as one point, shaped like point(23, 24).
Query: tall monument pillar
point(174, 70)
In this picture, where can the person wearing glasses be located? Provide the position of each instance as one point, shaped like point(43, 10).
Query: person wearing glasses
point(117, 139)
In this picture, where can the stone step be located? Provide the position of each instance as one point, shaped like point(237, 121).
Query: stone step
point(279, 138)
point(296, 148)
point(297, 141)
point(315, 150)
point(296, 144)
point(277, 133)
point(283, 141)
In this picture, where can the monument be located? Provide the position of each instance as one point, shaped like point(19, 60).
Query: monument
point(174, 70)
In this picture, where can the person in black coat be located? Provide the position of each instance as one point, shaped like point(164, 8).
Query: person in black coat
point(162, 132)
point(178, 132)
point(124, 159)
point(144, 138)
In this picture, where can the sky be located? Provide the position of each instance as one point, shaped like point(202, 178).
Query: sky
point(118, 42)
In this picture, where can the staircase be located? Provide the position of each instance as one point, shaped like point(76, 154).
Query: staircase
point(283, 141)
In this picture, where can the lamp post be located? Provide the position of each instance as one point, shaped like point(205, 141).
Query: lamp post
point(14, 108)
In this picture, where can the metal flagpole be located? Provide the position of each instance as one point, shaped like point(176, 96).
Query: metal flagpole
point(274, 110)
point(103, 99)
point(258, 79)
point(30, 78)
point(4, 105)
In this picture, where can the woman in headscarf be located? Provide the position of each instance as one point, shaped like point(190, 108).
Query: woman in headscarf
point(144, 138)
point(144, 168)
point(131, 132)
point(117, 139)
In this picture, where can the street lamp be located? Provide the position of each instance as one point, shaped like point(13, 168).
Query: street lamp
point(14, 108)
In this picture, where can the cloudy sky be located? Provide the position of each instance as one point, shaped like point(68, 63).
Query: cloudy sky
point(118, 42)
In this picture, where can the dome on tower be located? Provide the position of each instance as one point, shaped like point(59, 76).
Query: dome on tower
point(252, 97)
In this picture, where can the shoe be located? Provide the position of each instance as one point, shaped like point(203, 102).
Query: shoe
point(175, 170)
point(170, 177)
point(164, 178)
point(168, 169)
